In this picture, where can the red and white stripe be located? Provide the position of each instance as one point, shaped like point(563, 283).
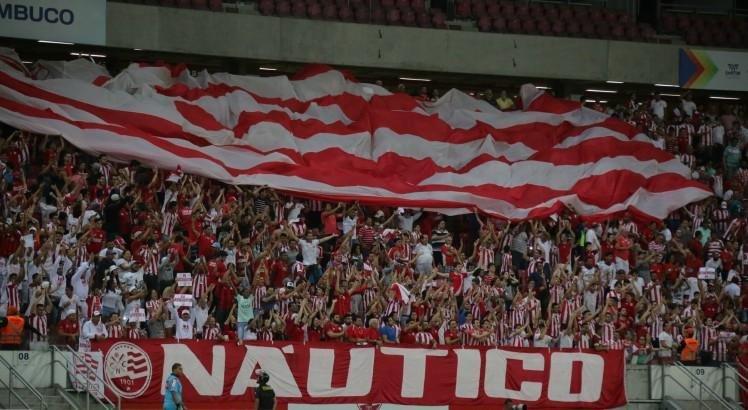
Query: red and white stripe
point(328, 135)
point(39, 323)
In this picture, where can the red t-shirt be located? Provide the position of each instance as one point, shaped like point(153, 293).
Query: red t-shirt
point(97, 240)
point(332, 327)
point(622, 253)
point(343, 306)
point(176, 251)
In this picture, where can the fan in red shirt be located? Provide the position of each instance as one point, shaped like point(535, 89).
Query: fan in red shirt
point(357, 333)
point(333, 330)
point(452, 334)
point(96, 236)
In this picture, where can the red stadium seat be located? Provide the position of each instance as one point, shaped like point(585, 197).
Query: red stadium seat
point(314, 10)
point(669, 23)
point(361, 15)
point(537, 11)
point(184, 4)
point(529, 27)
point(200, 4)
point(345, 13)
point(499, 25)
point(719, 37)
point(378, 16)
point(408, 17)
point(283, 8)
point(624, 18)
point(515, 25)
point(632, 33)
point(439, 20)
point(588, 29)
point(462, 9)
point(692, 37)
point(424, 19)
point(387, 3)
point(523, 11)
point(266, 7)
point(484, 23)
point(393, 17)
point(705, 38)
point(298, 8)
point(402, 4)
point(508, 10)
point(418, 5)
point(215, 5)
point(478, 9)
point(617, 32)
point(734, 39)
point(602, 30)
point(329, 12)
point(572, 28)
point(581, 13)
point(544, 27)
point(565, 13)
point(493, 9)
point(167, 3)
point(558, 28)
point(683, 22)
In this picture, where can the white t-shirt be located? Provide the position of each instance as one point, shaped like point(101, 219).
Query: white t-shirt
point(542, 341)
point(688, 107)
point(732, 290)
point(566, 341)
point(658, 108)
point(666, 344)
point(184, 328)
point(309, 251)
point(424, 253)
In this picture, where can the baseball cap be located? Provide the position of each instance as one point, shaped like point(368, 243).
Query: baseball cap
point(96, 313)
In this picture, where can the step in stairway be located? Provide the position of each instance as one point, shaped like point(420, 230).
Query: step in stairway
point(51, 396)
point(671, 404)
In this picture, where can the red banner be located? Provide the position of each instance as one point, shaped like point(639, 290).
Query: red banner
point(328, 373)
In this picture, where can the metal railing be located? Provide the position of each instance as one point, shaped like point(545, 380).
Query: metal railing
point(702, 387)
point(91, 374)
point(14, 375)
point(741, 381)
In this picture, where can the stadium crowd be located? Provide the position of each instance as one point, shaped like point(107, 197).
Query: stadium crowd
point(91, 249)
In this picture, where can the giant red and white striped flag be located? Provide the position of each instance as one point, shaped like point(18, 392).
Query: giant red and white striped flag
point(324, 135)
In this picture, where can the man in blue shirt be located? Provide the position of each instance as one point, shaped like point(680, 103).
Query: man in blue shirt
point(173, 393)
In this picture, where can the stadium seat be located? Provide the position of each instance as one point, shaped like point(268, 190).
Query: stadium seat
point(522, 11)
point(529, 27)
point(602, 30)
point(298, 8)
point(184, 4)
point(478, 8)
point(484, 23)
point(493, 9)
point(167, 3)
point(387, 4)
point(283, 8)
point(424, 19)
point(558, 28)
point(378, 16)
point(543, 27)
point(314, 10)
point(345, 13)
point(499, 25)
point(402, 4)
point(266, 7)
point(408, 17)
point(537, 11)
point(587, 29)
point(617, 32)
point(393, 17)
point(439, 20)
point(565, 13)
point(581, 13)
point(418, 5)
point(632, 33)
point(329, 12)
point(669, 23)
point(361, 15)
point(507, 10)
point(200, 4)
point(572, 28)
point(692, 37)
point(514, 25)
point(683, 22)
point(462, 9)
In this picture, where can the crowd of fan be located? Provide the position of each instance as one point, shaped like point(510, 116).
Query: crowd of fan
point(92, 250)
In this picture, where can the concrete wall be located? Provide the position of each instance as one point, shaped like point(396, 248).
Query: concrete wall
point(298, 40)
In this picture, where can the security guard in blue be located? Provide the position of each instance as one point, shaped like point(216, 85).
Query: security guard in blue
point(173, 391)
point(264, 394)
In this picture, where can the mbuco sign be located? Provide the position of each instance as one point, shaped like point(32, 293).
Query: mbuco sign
point(327, 373)
point(74, 21)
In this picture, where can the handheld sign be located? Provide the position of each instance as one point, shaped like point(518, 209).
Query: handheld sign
point(184, 279)
point(183, 299)
point(707, 273)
